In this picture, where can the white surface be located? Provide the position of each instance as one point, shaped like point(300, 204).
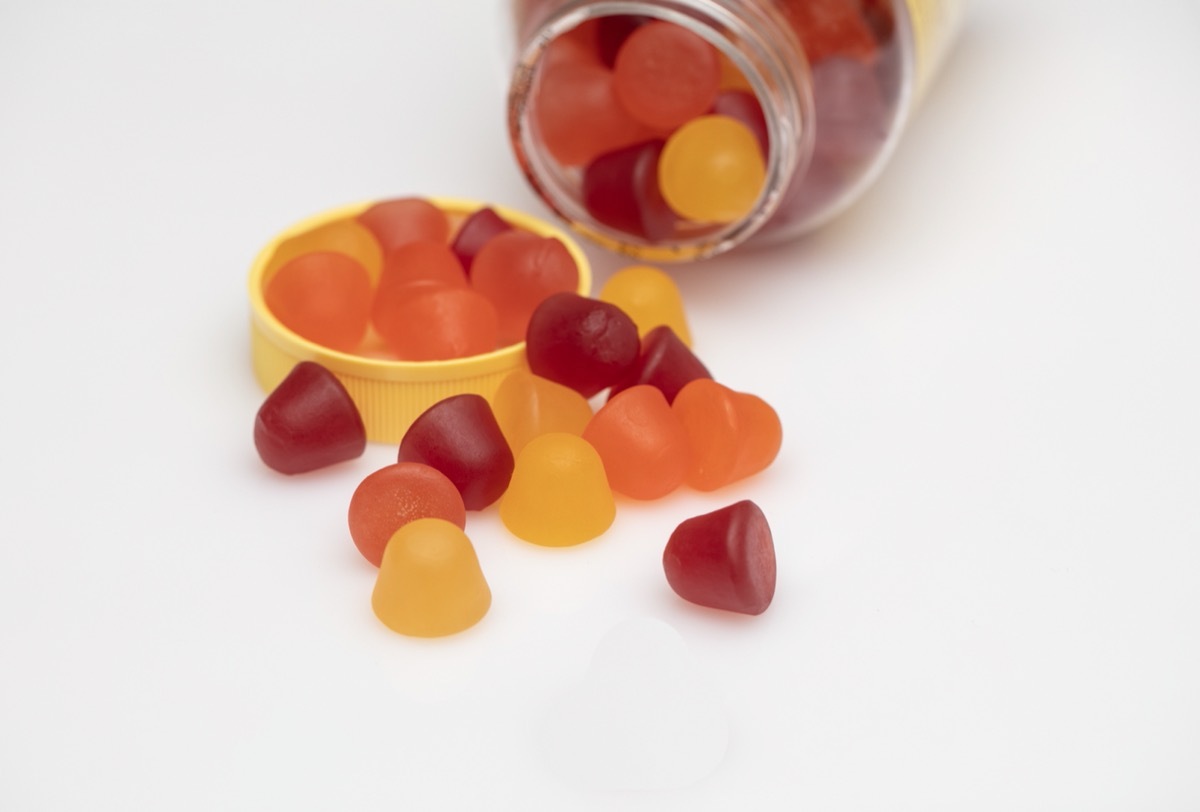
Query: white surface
point(986, 508)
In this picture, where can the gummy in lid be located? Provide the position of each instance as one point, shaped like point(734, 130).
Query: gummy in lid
point(389, 393)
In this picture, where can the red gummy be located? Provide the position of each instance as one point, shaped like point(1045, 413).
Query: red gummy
point(474, 233)
point(460, 437)
point(620, 189)
point(665, 363)
point(428, 322)
point(395, 495)
point(665, 75)
point(516, 271)
point(405, 220)
point(582, 343)
point(744, 107)
point(723, 560)
point(308, 422)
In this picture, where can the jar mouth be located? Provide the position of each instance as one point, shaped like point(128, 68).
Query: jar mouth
point(772, 73)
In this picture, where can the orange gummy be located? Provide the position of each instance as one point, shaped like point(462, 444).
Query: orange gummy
point(665, 75)
point(642, 443)
point(430, 583)
point(422, 261)
point(421, 322)
point(405, 220)
point(731, 435)
point(347, 237)
point(761, 435)
point(324, 297)
point(577, 115)
point(650, 297)
point(528, 406)
point(559, 495)
point(395, 495)
point(517, 270)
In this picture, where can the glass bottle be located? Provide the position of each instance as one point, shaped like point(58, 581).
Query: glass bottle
point(824, 86)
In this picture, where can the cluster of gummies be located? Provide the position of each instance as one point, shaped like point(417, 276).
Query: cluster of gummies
point(551, 463)
point(399, 281)
point(661, 125)
point(665, 136)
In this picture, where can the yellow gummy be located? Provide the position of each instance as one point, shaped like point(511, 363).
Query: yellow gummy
point(650, 297)
point(559, 494)
point(527, 406)
point(430, 583)
point(343, 236)
point(711, 170)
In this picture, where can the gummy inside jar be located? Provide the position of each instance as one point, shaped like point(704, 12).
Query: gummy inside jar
point(649, 133)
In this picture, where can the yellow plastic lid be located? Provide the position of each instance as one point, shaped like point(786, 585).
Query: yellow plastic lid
point(389, 394)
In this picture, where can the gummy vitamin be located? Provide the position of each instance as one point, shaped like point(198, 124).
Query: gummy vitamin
point(559, 495)
point(403, 220)
point(711, 170)
point(527, 406)
point(324, 297)
point(308, 422)
point(577, 114)
point(724, 559)
point(642, 443)
point(665, 363)
point(582, 343)
point(665, 75)
point(516, 271)
point(474, 233)
point(430, 583)
point(620, 189)
point(395, 495)
point(460, 437)
point(348, 237)
point(732, 435)
point(421, 262)
point(650, 297)
point(432, 323)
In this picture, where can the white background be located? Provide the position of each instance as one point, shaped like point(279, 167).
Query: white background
point(986, 509)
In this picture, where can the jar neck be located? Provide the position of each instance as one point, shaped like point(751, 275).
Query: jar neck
point(754, 37)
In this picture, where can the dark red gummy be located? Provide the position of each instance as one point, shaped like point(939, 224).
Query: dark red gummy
point(611, 33)
point(665, 363)
point(582, 343)
point(460, 437)
point(743, 106)
point(308, 422)
point(620, 189)
point(724, 559)
point(474, 233)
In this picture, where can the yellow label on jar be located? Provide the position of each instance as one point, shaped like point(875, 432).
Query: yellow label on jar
point(934, 23)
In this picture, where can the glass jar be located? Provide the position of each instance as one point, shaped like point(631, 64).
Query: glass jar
point(824, 87)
